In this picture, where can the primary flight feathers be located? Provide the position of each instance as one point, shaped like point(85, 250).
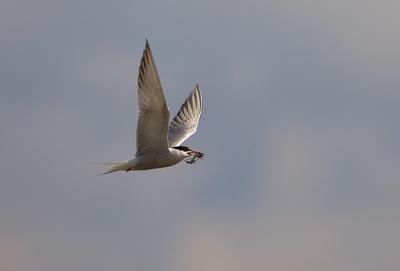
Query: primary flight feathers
point(186, 121)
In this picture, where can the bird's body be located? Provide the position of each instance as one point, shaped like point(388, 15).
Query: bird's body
point(162, 159)
point(157, 140)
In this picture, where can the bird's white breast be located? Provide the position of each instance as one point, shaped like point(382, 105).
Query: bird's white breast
point(158, 160)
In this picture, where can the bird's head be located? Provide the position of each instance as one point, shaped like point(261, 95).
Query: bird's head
point(195, 155)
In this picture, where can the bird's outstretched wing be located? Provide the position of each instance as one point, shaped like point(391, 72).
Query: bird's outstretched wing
point(185, 122)
point(152, 127)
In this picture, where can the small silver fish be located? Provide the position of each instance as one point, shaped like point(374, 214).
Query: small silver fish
point(195, 156)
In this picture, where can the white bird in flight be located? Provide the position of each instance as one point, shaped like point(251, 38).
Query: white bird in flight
point(158, 141)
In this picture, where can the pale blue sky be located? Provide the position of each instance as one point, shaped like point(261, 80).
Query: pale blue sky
point(300, 130)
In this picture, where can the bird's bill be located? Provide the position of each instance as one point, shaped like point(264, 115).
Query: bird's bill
point(196, 153)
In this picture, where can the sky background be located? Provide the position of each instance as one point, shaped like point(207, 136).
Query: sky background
point(300, 130)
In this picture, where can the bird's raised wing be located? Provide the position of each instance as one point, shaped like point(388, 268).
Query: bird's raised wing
point(185, 122)
point(152, 127)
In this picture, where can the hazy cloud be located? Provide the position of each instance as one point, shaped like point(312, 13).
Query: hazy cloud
point(300, 131)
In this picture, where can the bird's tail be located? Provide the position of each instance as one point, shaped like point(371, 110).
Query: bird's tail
point(113, 167)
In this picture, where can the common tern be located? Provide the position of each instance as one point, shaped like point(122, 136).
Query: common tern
point(158, 141)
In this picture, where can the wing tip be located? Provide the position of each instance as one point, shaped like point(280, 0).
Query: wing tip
point(198, 92)
point(146, 52)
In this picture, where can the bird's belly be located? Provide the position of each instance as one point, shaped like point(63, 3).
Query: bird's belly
point(156, 161)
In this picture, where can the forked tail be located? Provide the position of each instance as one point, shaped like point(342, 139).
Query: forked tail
point(113, 167)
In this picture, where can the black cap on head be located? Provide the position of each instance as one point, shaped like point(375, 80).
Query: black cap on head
point(182, 148)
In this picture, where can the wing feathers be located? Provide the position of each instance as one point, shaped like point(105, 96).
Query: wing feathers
point(152, 129)
point(186, 121)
